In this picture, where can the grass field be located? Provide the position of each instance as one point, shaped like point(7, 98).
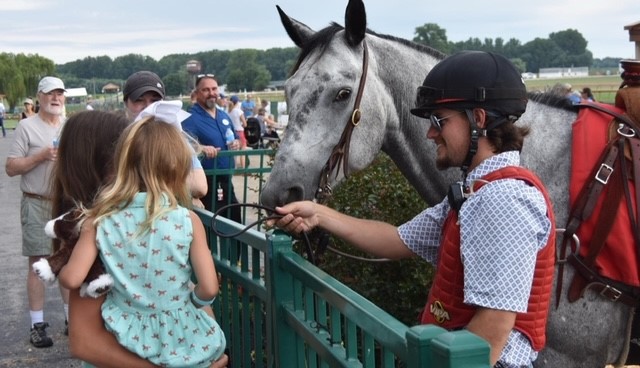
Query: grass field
point(603, 87)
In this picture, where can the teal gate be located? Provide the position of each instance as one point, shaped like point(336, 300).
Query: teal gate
point(279, 310)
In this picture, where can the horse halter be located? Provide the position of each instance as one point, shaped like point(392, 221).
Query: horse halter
point(340, 153)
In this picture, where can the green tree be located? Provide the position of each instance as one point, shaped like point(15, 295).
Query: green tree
point(124, 66)
point(245, 72)
point(570, 41)
point(177, 83)
point(432, 35)
point(574, 48)
point(520, 65)
point(541, 53)
point(278, 61)
point(20, 74)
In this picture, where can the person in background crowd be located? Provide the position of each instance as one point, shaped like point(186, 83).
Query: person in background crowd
point(493, 237)
point(32, 156)
point(142, 89)
point(209, 126)
point(2, 113)
point(239, 123)
point(89, 102)
point(192, 100)
point(573, 96)
point(222, 103)
point(248, 105)
point(587, 95)
point(28, 109)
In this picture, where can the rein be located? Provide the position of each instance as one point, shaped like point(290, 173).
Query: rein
point(340, 153)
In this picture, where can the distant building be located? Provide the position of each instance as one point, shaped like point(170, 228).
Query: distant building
point(110, 88)
point(276, 85)
point(581, 71)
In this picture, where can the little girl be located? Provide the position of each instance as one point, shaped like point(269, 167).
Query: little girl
point(149, 243)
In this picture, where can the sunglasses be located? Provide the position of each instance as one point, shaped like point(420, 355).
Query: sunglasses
point(199, 77)
point(438, 123)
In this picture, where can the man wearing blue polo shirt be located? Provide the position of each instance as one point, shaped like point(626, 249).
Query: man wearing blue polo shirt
point(209, 125)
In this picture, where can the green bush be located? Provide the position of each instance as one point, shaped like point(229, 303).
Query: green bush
point(399, 287)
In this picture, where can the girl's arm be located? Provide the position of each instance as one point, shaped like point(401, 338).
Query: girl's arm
point(84, 254)
point(202, 261)
point(91, 342)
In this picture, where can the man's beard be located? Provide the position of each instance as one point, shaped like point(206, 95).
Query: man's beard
point(53, 110)
point(210, 103)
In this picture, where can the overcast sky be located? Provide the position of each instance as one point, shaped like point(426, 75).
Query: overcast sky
point(66, 30)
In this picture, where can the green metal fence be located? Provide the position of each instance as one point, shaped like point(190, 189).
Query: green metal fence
point(278, 310)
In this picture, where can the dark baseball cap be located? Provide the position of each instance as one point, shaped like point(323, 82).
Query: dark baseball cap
point(141, 82)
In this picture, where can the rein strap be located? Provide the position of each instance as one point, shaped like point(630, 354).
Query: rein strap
point(340, 153)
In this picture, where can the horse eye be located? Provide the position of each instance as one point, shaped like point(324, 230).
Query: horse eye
point(343, 94)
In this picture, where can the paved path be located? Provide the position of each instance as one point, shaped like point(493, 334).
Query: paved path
point(15, 349)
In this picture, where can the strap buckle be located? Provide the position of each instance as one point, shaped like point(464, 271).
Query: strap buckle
point(604, 173)
point(610, 293)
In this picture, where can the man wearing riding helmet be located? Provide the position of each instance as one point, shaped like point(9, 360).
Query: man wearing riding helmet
point(492, 233)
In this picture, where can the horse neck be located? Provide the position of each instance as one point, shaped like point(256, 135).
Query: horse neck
point(402, 69)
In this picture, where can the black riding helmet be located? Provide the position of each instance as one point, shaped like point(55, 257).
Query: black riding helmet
point(473, 79)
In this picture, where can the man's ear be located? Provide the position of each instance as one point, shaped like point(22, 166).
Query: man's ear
point(481, 117)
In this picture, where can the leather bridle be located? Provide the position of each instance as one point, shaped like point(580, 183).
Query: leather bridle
point(340, 153)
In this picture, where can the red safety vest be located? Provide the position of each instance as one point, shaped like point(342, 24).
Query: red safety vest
point(445, 305)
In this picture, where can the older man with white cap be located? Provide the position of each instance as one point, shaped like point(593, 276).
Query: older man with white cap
point(32, 155)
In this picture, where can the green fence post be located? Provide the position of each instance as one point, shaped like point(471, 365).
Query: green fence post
point(280, 292)
point(460, 349)
point(419, 340)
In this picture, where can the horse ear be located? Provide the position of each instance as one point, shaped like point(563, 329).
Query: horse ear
point(355, 22)
point(297, 31)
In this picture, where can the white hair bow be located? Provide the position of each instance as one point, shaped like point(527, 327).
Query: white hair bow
point(168, 111)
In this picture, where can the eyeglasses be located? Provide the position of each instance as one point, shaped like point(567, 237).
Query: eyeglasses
point(437, 122)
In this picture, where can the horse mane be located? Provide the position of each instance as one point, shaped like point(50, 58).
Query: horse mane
point(553, 100)
point(323, 37)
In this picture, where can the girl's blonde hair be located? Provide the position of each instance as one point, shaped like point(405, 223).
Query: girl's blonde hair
point(153, 157)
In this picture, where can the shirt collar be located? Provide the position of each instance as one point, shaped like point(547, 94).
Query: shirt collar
point(493, 163)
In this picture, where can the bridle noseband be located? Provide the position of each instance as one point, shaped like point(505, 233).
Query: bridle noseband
point(340, 153)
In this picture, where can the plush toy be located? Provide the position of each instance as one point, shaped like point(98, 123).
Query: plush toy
point(67, 229)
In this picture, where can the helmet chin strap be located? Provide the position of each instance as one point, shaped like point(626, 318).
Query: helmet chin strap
point(475, 133)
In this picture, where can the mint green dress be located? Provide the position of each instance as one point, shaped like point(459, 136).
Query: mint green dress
point(149, 309)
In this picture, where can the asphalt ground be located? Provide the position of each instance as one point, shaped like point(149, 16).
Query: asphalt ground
point(15, 348)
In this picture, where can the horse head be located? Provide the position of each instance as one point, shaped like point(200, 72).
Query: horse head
point(342, 111)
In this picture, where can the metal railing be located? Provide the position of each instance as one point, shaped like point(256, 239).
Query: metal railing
point(279, 310)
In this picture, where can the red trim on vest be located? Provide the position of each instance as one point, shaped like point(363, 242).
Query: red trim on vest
point(445, 305)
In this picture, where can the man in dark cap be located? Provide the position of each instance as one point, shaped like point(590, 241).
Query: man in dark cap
point(141, 90)
point(492, 238)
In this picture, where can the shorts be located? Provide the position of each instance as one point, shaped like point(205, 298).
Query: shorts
point(34, 214)
point(243, 138)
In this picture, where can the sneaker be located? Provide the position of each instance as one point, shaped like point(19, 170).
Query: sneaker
point(66, 327)
point(39, 337)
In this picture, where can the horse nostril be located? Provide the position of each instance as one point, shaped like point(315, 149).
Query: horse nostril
point(294, 194)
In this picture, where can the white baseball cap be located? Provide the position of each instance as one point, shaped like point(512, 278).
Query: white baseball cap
point(48, 84)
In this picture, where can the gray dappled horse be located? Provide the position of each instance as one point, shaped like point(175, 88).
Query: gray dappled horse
point(321, 94)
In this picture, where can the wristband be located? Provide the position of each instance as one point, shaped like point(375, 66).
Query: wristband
point(199, 302)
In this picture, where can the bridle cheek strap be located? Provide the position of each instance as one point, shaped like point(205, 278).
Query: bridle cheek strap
point(340, 154)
